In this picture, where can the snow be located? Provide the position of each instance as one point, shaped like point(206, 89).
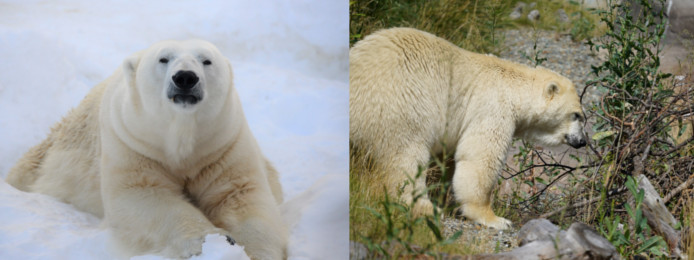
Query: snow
point(290, 60)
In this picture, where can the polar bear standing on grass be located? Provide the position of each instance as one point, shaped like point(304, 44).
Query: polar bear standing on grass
point(413, 94)
point(161, 150)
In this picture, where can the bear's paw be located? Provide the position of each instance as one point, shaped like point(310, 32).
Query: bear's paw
point(496, 223)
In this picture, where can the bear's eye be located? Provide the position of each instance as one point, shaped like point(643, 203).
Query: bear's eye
point(576, 116)
point(164, 60)
point(206, 62)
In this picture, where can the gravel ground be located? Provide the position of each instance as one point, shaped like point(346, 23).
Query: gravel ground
point(566, 57)
point(481, 238)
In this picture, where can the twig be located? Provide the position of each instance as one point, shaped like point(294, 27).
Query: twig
point(679, 189)
point(583, 203)
point(622, 123)
point(677, 147)
point(569, 168)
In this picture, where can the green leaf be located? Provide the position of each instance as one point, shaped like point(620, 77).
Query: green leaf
point(602, 135)
point(653, 244)
point(375, 213)
point(434, 229)
point(540, 180)
point(452, 238)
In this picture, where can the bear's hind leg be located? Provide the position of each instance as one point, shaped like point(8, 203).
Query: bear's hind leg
point(28, 168)
point(404, 178)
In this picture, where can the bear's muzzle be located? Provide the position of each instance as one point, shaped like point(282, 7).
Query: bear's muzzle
point(184, 88)
point(575, 141)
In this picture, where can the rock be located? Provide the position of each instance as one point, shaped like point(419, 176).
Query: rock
point(532, 5)
point(543, 240)
point(562, 17)
point(357, 250)
point(537, 229)
point(517, 11)
point(586, 243)
point(681, 19)
point(679, 36)
point(657, 214)
point(534, 15)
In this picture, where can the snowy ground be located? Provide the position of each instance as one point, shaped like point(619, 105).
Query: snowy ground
point(291, 70)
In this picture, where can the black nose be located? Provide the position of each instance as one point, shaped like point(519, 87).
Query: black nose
point(576, 141)
point(581, 143)
point(185, 79)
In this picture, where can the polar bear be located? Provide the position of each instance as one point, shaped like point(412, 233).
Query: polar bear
point(162, 151)
point(414, 95)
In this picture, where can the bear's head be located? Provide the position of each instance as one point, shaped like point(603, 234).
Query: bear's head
point(185, 75)
point(556, 116)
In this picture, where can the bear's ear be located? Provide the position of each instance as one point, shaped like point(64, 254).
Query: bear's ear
point(551, 90)
point(130, 67)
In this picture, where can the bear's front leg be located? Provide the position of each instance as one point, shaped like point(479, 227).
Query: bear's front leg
point(473, 183)
point(148, 213)
point(479, 157)
point(242, 203)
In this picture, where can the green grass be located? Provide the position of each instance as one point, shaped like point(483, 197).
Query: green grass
point(474, 25)
point(466, 23)
point(583, 23)
point(387, 227)
point(690, 220)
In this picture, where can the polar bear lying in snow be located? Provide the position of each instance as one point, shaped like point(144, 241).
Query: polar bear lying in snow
point(162, 151)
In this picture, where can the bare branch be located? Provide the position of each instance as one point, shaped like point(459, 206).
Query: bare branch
point(583, 203)
point(679, 188)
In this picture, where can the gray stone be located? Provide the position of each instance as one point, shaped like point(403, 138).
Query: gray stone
point(562, 17)
point(534, 15)
point(517, 11)
point(679, 38)
point(681, 18)
point(586, 243)
point(537, 229)
point(544, 240)
point(357, 250)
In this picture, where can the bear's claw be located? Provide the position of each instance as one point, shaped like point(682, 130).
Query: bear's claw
point(498, 223)
point(231, 240)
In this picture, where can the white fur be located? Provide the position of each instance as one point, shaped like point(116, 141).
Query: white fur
point(413, 94)
point(163, 175)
